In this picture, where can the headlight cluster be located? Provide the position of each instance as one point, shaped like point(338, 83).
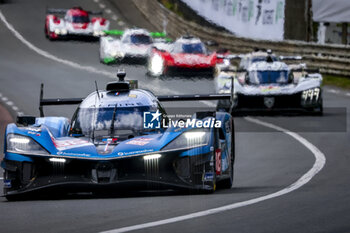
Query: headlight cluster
point(311, 95)
point(61, 31)
point(99, 33)
point(189, 139)
point(116, 54)
point(22, 144)
point(156, 65)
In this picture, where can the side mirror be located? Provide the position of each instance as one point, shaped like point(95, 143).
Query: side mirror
point(211, 43)
point(246, 79)
point(121, 75)
point(290, 78)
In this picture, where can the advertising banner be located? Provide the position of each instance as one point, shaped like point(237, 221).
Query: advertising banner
point(257, 19)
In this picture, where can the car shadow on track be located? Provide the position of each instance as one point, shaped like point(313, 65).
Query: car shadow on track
point(60, 195)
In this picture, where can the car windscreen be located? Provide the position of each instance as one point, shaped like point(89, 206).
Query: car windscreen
point(140, 39)
point(87, 121)
point(268, 76)
point(263, 58)
point(80, 19)
point(194, 48)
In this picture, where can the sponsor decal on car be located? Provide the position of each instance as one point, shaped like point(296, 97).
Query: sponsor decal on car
point(269, 88)
point(69, 144)
point(7, 184)
point(73, 154)
point(135, 152)
point(34, 133)
point(139, 141)
point(218, 161)
point(269, 101)
point(208, 176)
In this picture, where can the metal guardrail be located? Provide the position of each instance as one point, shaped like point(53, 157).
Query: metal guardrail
point(330, 59)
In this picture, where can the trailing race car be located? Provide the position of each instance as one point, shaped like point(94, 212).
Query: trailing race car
point(258, 55)
point(116, 139)
point(271, 85)
point(76, 22)
point(186, 56)
point(131, 44)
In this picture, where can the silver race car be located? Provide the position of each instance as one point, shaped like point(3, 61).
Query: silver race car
point(130, 45)
point(271, 85)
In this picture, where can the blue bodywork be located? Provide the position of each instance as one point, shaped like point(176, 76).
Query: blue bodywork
point(54, 136)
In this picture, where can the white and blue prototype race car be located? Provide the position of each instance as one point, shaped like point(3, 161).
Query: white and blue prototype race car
point(109, 145)
point(133, 44)
point(271, 85)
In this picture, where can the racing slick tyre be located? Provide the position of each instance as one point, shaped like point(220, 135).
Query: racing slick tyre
point(14, 180)
point(46, 34)
point(227, 183)
point(319, 111)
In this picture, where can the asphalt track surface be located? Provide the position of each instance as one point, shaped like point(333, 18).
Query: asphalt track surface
point(266, 160)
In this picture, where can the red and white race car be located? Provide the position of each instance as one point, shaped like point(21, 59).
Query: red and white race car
point(76, 22)
point(186, 56)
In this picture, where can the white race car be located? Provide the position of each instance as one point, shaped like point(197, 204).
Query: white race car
point(271, 85)
point(132, 44)
point(76, 22)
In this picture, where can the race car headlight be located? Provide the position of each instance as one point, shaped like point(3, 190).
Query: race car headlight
point(311, 94)
point(113, 53)
point(99, 33)
point(57, 31)
point(64, 31)
point(152, 157)
point(156, 65)
point(22, 144)
point(189, 139)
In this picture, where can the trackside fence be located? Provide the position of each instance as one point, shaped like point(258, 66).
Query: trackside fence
point(330, 59)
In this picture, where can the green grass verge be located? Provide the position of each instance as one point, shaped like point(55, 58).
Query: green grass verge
point(338, 81)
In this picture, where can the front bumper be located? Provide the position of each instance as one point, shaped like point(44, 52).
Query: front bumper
point(169, 171)
point(190, 71)
point(272, 104)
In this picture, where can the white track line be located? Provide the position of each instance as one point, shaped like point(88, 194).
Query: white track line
point(320, 161)
point(114, 17)
point(333, 91)
point(11, 104)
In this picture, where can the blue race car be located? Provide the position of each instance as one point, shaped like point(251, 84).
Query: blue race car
point(108, 145)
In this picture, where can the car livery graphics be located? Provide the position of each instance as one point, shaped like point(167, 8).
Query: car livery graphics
point(106, 146)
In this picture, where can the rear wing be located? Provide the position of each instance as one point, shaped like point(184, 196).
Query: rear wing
point(56, 11)
point(63, 11)
point(290, 58)
point(163, 98)
point(116, 32)
point(309, 71)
